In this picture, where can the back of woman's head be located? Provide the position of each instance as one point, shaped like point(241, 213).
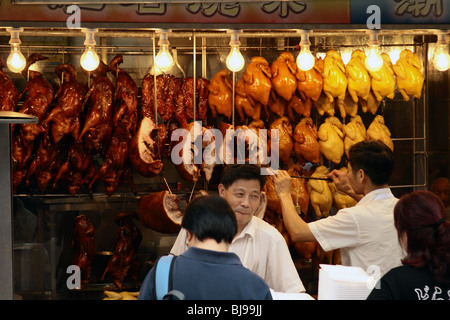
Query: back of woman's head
point(210, 217)
point(421, 216)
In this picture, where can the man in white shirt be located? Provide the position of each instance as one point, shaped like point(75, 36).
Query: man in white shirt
point(365, 233)
point(260, 247)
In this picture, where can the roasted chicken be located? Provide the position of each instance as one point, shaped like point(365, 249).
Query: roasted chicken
point(297, 106)
point(331, 139)
point(221, 94)
point(354, 131)
point(358, 77)
point(341, 200)
point(319, 193)
point(377, 130)
point(310, 83)
point(334, 79)
point(299, 193)
point(257, 80)
point(276, 105)
point(245, 105)
point(9, 96)
point(351, 107)
point(306, 145)
point(283, 70)
point(408, 70)
point(286, 144)
point(383, 81)
point(325, 106)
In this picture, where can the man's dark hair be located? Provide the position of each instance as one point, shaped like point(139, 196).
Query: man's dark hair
point(374, 158)
point(235, 172)
point(210, 217)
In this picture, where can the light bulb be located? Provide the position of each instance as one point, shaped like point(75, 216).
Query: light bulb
point(346, 56)
point(441, 61)
point(16, 61)
point(374, 61)
point(305, 59)
point(163, 59)
point(235, 60)
point(89, 59)
point(441, 57)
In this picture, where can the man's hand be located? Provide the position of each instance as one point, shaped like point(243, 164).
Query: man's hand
point(282, 181)
point(342, 183)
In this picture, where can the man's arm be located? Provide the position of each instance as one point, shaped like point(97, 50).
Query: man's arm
point(298, 229)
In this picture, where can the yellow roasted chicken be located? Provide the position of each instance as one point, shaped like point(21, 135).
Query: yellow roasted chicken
point(320, 195)
point(334, 79)
point(372, 104)
point(354, 132)
point(383, 81)
point(286, 144)
point(283, 78)
point(377, 130)
point(324, 105)
point(358, 77)
point(257, 80)
point(350, 106)
point(408, 70)
point(221, 94)
point(310, 83)
point(331, 139)
point(341, 200)
point(306, 146)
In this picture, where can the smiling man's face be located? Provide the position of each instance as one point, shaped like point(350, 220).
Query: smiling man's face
point(244, 197)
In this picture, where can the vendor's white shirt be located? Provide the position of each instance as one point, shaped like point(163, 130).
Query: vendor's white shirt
point(263, 250)
point(365, 233)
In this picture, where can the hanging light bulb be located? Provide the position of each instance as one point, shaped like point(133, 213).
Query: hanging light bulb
point(163, 60)
point(89, 59)
point(235, 60)
point(441, 59)
point(374, 61)
point(305, 59)
point(16, 61)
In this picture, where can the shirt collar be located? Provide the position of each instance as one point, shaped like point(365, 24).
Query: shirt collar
point(250, 229)
point(211, 256)
point(383, 193)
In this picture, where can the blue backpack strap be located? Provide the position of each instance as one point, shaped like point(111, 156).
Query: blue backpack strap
point(162, 281)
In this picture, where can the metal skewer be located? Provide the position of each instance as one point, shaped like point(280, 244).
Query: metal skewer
point(313, 178)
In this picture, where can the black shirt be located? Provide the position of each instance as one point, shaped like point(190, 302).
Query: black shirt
point(410, 283)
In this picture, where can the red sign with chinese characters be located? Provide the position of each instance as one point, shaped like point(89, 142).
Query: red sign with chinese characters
point(268, 12)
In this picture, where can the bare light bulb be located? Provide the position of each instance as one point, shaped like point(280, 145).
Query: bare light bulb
point(89, 59)
point(235, 59)
point(305, 59)
point(16, 61)
point(441, 59)
point(374, 61)
point(164, 60)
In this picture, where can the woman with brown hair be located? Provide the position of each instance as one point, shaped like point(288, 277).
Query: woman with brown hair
point(424, 234)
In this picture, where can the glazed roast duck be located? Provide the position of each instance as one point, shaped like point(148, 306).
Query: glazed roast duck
point(9, 96)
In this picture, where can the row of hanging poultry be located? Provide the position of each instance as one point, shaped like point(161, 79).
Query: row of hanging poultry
point(106, 119)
